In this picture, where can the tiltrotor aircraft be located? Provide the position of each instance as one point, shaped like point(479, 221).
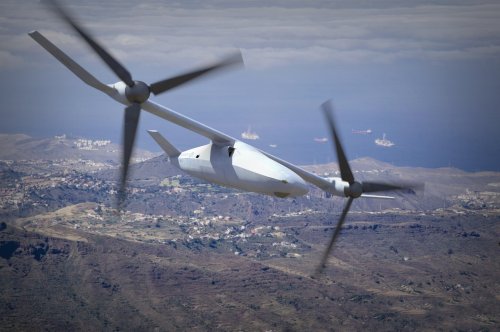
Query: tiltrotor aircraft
point(225, 160)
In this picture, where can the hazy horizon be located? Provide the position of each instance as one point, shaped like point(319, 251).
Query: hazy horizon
point(426, 73)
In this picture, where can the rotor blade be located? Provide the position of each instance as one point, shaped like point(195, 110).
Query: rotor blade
point(132, 113)
point(112, 63)
point(371, 187)
point(78, 70)
point(377, 196)
point(170, 83)
point(345, 169)
point(321, 266)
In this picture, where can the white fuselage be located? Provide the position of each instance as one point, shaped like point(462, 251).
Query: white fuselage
point(243, 167)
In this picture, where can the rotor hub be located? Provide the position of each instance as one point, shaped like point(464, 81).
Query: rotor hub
point(138, 93)
point(354, 190)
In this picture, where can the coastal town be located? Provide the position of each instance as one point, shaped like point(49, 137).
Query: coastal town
point(170, 207)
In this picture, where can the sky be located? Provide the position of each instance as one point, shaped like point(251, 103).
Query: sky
point(426, 73)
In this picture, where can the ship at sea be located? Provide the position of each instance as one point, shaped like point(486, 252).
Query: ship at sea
point(249, 134)
point(362, 132)
point(384, 142)
point(321, 140)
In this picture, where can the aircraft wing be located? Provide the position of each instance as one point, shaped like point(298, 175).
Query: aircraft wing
point(214, 135)
point(312, 178)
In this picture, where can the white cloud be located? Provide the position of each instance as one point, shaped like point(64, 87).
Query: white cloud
point(277, 33)
point(8, 60)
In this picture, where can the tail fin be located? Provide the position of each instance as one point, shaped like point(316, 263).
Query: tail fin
point(169, 149)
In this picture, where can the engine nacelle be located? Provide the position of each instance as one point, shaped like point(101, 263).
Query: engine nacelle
point(138, 93)
point(344, 189)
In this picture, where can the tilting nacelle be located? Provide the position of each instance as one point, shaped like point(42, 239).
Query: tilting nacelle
point(126, 95)
point(343, 188)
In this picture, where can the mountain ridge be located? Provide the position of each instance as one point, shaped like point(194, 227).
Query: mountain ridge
point(24, 147)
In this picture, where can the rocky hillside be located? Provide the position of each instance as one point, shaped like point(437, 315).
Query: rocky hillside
point(387, 272)
point(24, 147)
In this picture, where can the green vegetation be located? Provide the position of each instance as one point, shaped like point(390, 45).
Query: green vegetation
point(170, 182)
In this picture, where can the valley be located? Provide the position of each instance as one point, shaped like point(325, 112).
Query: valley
point(186, 255)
